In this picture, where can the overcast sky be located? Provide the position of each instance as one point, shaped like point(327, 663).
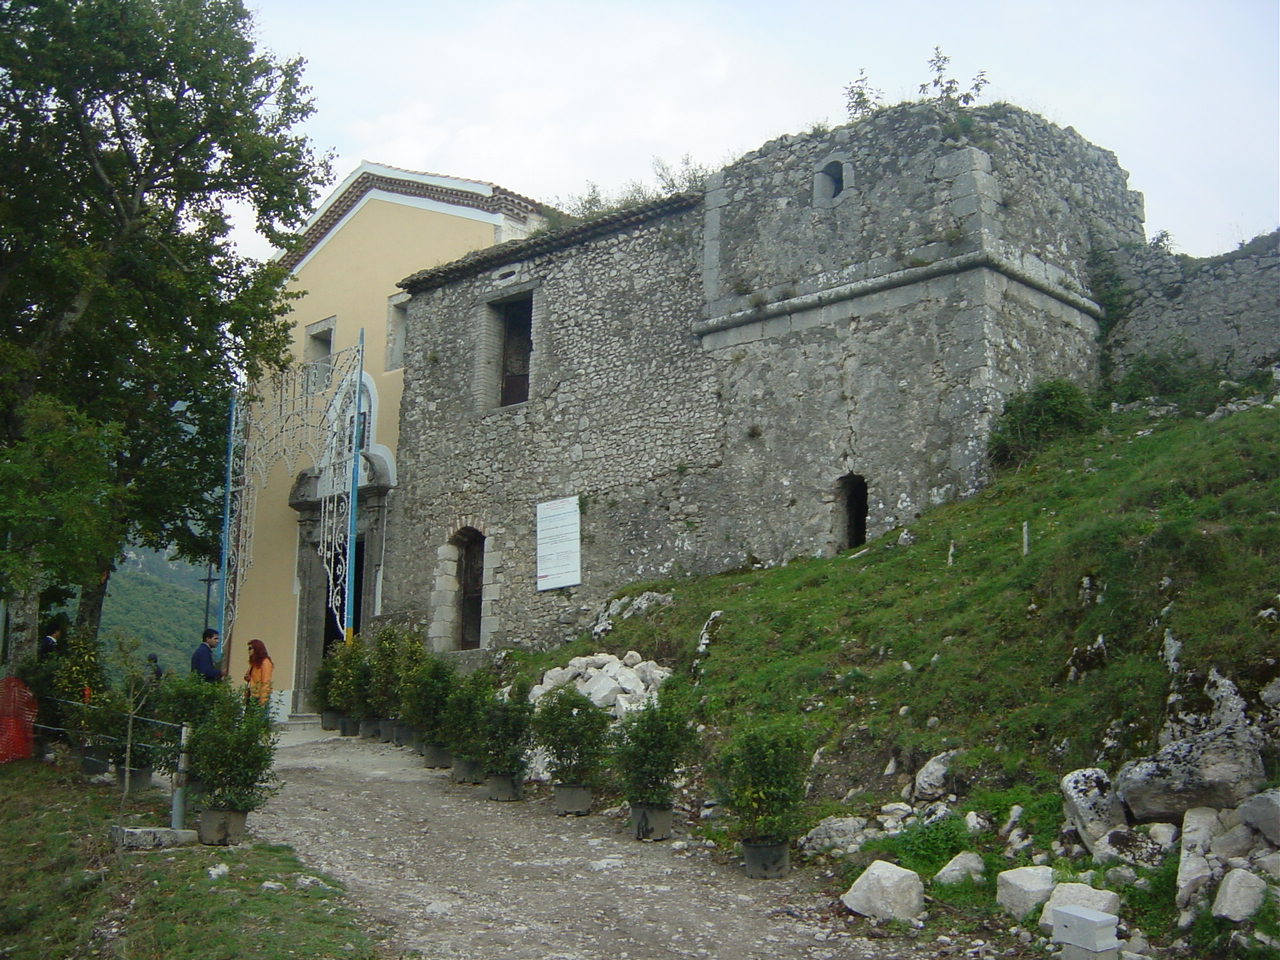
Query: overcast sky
point(542, 96)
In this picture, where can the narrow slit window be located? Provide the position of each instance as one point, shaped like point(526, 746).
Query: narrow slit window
point(517, 349)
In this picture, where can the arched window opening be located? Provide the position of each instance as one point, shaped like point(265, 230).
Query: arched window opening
point(470, 544)
point(831, 180)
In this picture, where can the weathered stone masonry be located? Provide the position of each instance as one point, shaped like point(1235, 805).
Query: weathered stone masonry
point(809, 353)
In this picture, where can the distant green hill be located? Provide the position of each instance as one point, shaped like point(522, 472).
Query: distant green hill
point(166, 617)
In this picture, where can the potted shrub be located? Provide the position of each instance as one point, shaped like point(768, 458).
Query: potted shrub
point(231, 754)
point(575, 733)
point(349, 685)
point(648, 746)
point(424, 691)
point(760, 777)
point(384, 684)
point(464, 717)
point(322, 695)
point(183, 698)
point(508, 733)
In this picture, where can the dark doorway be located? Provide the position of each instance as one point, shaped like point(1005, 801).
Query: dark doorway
point(335, 619)
point(470, 543)
point(853, 499)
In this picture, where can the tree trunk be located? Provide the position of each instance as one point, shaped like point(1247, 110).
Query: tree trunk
point(92, 594)
point(24, 625)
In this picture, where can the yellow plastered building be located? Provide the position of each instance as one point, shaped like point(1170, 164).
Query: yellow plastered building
point(377, 227)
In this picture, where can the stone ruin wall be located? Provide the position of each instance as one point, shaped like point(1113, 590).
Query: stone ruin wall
point(854, 302)
point(622, 406)
point(1224, 310)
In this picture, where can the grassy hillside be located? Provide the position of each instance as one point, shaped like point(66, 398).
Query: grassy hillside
point(946, 635)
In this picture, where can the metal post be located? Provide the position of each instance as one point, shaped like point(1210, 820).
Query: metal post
point(226, 522)
point(178, 803)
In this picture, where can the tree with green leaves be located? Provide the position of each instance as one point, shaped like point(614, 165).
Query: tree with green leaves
point(128, 130)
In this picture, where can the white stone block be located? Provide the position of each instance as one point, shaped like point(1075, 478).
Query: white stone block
point(887, 892)
point(601, 690)
point(1165, 834)
point(1262, 812)
point(960, 867)
point(1193, 873)
point(1199, 826)
point(1240, 895)
point(629, 680)
point(1071, 952)
point(1236, 842)
point(1270, 864)
point(558, 676)
point(1021, 890)
point(1088, 916)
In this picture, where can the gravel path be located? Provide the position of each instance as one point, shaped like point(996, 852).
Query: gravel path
point(444, 871)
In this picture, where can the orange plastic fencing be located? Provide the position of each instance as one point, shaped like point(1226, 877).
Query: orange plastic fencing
point(17, 714)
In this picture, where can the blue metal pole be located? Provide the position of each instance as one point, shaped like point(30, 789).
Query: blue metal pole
point(226, 522)
point(350, 601)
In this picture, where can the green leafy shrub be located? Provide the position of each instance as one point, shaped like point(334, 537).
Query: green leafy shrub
point(508, 732)
point(320, 694)
point(1033, 420)
point(385, 655)
point(574, 732)
point(424, 691)
point(760, 776)
point(182, 698)
point(648, 745)
point(1183, 379)
point(464, 716)
point(350, 681)
point(231, 753)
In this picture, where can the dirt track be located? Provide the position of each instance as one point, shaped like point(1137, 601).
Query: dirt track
point(441, 870)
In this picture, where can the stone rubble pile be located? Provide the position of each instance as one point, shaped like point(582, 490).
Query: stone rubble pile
point(615, 685)
point(1229, 863)
point(1229, 853)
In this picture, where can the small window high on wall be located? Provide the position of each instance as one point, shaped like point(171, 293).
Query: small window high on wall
point(852, 501)
point(516, 319)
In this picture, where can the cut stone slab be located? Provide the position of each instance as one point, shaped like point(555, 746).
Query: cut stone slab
point(151, 838)
point(1240, 896)
point(887, 892)
point(1074, 896)
point(1083, 926)
point(1022, 889)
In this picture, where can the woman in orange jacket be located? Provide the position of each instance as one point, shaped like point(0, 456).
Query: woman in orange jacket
point(260, 669)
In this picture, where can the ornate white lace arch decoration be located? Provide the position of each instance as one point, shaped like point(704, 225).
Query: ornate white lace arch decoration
point(301, 417)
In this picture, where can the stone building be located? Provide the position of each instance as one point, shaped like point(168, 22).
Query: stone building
point(806, 354)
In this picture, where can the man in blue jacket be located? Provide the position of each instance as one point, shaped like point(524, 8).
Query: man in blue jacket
point(202, 659)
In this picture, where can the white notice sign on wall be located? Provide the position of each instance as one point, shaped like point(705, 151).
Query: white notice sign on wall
point(559, 544)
